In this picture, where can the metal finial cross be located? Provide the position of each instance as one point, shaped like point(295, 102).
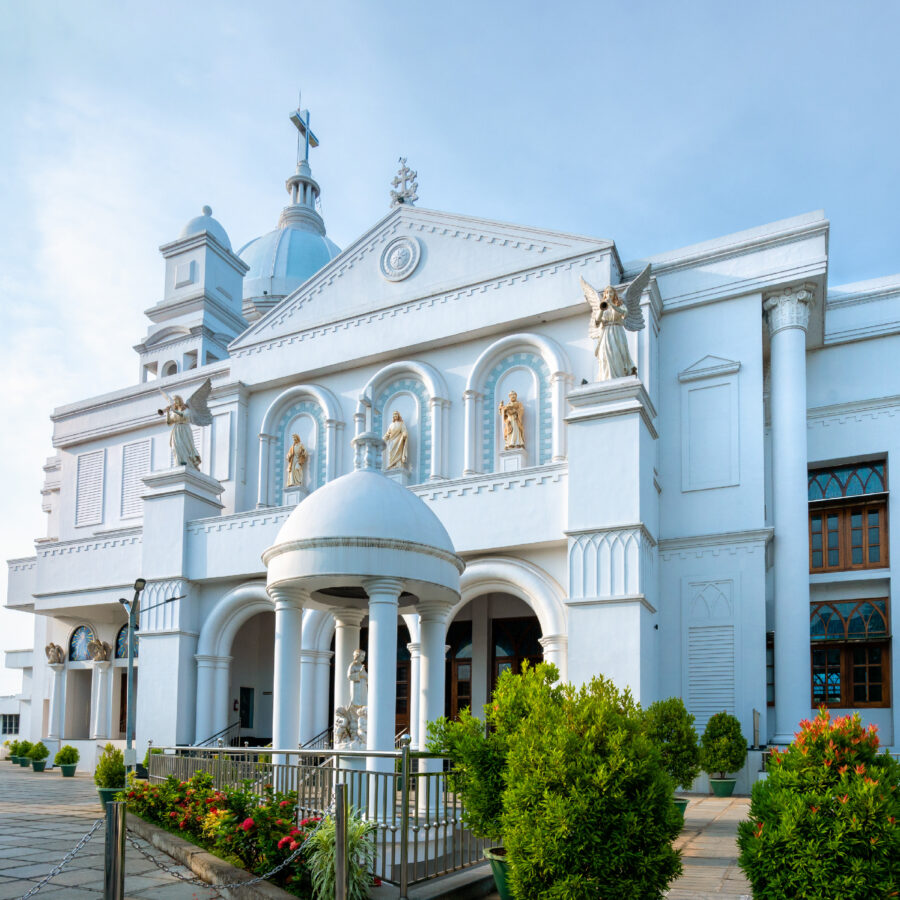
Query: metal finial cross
point(405, 180)
point(300, 118)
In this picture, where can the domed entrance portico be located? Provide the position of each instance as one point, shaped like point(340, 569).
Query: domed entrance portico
point(362, 543)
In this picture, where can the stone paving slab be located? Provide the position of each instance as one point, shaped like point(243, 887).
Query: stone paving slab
point(43, 816)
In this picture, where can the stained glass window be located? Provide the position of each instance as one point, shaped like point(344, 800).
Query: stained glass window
point(847, 481)
point(122, 643)
point(78, 644)
point(844, 620)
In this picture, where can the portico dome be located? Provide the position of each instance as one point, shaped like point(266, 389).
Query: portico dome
point(362, 526)
point(205, 222)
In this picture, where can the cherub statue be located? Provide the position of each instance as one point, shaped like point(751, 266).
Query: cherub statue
point(180, 415)
point(513, 414)
point(343, 726)
point(99, 650)
point(55, 654)
point(610, 318)
point(296, 457)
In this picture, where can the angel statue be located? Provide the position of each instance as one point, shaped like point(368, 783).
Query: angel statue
point(180, 415)
point(99, 650)
point(55, 654)
point(296, 457)
point(610, 318)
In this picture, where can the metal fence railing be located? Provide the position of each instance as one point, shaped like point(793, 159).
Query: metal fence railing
point(419, 830)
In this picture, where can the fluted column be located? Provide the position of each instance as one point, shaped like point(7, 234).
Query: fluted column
point(470, 434)
point(289, 602)
point(415, 686)
point(100, 699)
point(265, 456)
point(55, 725)
point(384, 595)
point(346, 641)
point(556, 651)
point(787, 313)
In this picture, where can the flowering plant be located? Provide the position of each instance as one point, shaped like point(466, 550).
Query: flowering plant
point(826, 821)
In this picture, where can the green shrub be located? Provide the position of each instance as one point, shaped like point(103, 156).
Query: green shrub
point(38, 752)
point(723, 748)
point(110, 771)
point(825, 823)
point(571, 784)
point(24, 748)
point(360, 858)
point(14, 748)
point(671, 727)
point(66, 756)
point(150, 750)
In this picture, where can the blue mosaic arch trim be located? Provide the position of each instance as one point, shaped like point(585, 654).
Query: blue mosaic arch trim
point(422, 467)
point(489, 412)
point(310, 407)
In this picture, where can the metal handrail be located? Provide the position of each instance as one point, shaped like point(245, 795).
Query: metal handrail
point(321, 741)
point(225, 734)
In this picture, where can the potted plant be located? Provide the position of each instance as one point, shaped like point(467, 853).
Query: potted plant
point(671, 727)
point(67, 759)
point(24, 749)
point(723, 750)
point(109, 775)
point(38, 756)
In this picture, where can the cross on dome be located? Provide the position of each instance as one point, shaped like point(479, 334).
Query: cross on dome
point(300, 118)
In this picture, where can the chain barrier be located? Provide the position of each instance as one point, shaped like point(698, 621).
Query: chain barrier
point(66, 859)
point(199, 882)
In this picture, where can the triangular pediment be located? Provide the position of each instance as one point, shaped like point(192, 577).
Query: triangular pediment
point(709, 367)
point(443, 252)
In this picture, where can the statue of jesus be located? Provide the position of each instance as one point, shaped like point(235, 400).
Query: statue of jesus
point(513, 414)
point(296, 457)
point(397, 440)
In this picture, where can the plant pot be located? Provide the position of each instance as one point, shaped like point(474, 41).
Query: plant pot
point(722, 787)
point(107, 795)
point(38, 764)
point(24, 761)
point(69, 770)
point(496, 856)
point(14, 760)
point(681, 805)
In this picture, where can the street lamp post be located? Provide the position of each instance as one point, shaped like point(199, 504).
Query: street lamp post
point(134, 611)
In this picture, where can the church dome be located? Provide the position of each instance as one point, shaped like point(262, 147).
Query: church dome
point(283, 259)
point(365, 504)
point(205, 222)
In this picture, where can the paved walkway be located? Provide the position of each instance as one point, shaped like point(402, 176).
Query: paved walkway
point(708, 851)
point(43, 816)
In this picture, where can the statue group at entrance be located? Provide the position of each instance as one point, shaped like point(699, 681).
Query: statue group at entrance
point(351, 721)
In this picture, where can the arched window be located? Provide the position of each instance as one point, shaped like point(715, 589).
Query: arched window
point(78, 643)
point(122, 643)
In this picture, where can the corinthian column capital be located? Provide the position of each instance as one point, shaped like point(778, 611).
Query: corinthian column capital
point(789, 308)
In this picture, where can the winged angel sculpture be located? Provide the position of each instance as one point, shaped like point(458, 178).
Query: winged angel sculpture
point(180, 416)
point(610, 318)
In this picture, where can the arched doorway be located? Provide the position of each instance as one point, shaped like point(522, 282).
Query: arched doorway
point(251, 679)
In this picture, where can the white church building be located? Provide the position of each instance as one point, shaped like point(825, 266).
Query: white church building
point(712, 521)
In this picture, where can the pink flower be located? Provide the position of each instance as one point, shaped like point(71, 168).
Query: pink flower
point(293, 845)
point(247, 824)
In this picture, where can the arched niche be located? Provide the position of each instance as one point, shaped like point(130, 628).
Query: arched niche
point(314, 413)
point(417, 390)
point(535, 364)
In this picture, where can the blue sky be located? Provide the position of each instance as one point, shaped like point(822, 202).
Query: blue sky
point(655, 124)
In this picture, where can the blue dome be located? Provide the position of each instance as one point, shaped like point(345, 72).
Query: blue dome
point(283, 259)
point(206, 222)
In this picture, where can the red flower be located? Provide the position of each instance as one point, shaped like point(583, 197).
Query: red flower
point(284, 803)
point(285, 840)
point(293, 846)
point(172, 815)
point(861, 769)
point(247, 824)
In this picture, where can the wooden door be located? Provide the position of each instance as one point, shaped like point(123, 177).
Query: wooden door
point(401, 723)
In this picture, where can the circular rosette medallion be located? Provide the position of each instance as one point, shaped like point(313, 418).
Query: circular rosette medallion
point(400, 258)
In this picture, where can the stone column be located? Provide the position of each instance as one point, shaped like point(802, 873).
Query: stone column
point(559, 387)
point(432, 681)
point(289, 602)
point(346, 640)
point(384, 595)
point(205, 697)
point(100, 699)
point(437, 440)
point(55, 725)
point(788, 317)
point(265, 456)
point(471, 445)
point(415, 659)
point(307, 694)
point(323, 674)
point(222, 713)
point(332, 445)
point(556, 650)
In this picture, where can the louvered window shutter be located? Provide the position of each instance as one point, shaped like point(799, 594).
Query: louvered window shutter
point(135, 465)
point(89, 488)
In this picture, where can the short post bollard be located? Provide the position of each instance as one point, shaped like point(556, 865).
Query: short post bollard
point(114, 868)
point(341, 873)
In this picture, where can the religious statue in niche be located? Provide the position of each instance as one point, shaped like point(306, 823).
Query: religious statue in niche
point(611, 317)
point(100, 651)
point(180, 415)
point(513, 415)
point(351, 721)
point(55, 654)
point(397, 440)
point(296, 459)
